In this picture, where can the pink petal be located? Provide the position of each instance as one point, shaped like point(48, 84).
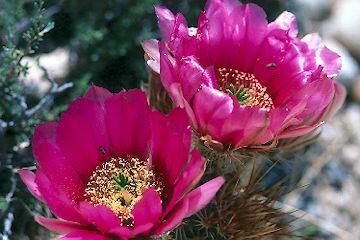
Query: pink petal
point(98, 94)
point(180, 42)
point(127, 115)
point(284, 92)
point(213, 41)
point(152, 54)
point(201, 196)
point(166, 21)
point(142, 230)
point(82, 136)
point(102, 217)
point(174, 219)
point(225, 37)
point(59, 226)
point(187, 180)
point(249, 29)
point(244, 126)
point(326, 58)
point(59, 203)
point(147, 211)
point(28, 177)
point(297, 132)
point(171, 140)
point(122, 232)
point(204, 51)
point(280, 58)
point(318, 96)
point(283, 117)
point(337, 102)
point(53, 163)
point(191, 115)
point(280, 118)
point(151, 48)
point(85, 235)
point(287, 22)
point(168, 76)
point(211, 108)
point(193, 75)
point(325, 108)
point(213, 5)
point(291, 67)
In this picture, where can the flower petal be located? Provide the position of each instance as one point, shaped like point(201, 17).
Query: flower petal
point(85, 235)
point(151, 48)
point(85, 143)
point(187, 180)
point(54, 164)
point(211, 108)
point(174, 219)
point(147, 211)
point(126, 114)
point(98, 94)
point(213, 5)
point(171, 142)
point(249, 29)
point(193, 75)
point(102, 217)
point(152, 54)
point(166, 21)
point(59, 203)
point(58, 225)
point(201, 196)
point(337, 102)
point(28, 177)
point(122, 232)
point(326, 58)
point(287, 22)
point(244, 126)
point(168, 76)
point(318, 96)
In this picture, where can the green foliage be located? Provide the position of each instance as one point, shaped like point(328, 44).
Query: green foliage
point(22, 28)
point(12, 102)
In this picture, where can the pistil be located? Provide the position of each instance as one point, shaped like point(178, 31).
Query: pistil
point(245, 87)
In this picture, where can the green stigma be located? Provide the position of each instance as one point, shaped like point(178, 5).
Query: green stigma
point(121, 183)
point(241, 94)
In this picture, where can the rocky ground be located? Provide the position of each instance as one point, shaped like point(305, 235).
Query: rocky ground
point(330, 199)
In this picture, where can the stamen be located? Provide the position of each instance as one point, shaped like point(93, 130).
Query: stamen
point(245, 87)
point(119, 184)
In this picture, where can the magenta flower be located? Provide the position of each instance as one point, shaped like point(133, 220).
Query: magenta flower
point(113, 169)
point(245, 82)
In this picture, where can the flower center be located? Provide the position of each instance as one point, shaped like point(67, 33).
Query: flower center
point(245, 87)
point(119, 184)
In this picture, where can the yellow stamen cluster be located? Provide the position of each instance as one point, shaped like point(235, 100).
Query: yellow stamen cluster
point(102, 189)
point(256, 93)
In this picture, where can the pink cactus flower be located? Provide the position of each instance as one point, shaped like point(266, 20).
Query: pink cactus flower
point(113, 169)
point(245, 82)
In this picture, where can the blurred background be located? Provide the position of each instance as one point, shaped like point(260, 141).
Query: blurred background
point(51, 53)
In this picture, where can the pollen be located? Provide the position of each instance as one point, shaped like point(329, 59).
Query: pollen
point(245, 87)
point(119, 184)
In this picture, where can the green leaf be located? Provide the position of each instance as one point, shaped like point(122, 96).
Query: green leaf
point(47, 28)
point(3, 204)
